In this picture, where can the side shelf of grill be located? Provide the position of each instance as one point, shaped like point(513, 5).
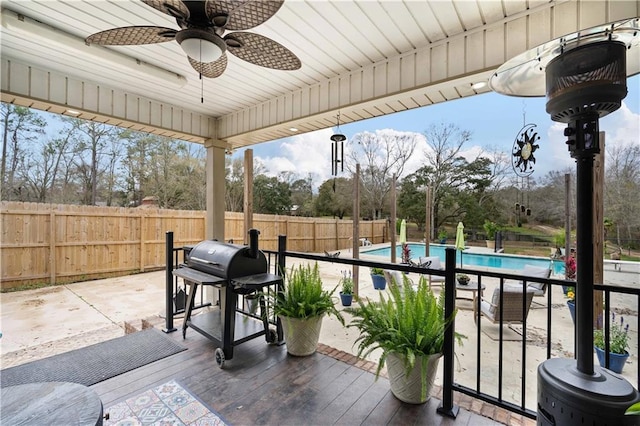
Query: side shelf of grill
point(193, 275)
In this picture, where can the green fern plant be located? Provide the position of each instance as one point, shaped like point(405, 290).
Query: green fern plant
point(410, 322)
point(377, 271)
point(303, 295)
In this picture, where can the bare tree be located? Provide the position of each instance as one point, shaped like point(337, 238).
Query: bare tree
point(95, 149)
point(444, 143)
point(622, 186)
point(21, 127)
point(500, 167)
point(381, 155)
point(234, 194)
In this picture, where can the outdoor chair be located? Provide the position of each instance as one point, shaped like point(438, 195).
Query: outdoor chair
point(538, 289)
point(432, 262)
point(510, 310)
point(396, 278)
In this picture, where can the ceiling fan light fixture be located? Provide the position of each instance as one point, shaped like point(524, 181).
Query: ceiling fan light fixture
point(201, 45)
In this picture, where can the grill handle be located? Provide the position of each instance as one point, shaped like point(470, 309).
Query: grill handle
point(253, 243)
point(199, 259)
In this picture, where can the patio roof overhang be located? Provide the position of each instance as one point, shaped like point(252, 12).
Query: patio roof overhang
point(362, 59)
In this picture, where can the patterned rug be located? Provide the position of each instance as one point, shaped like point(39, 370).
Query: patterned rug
point(167, 404)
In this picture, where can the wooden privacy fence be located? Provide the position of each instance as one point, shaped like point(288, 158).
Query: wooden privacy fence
point(45, 243)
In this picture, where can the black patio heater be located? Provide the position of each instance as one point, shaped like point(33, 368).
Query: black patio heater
point(585, 77)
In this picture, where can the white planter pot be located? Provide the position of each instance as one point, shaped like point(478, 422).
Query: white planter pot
point(416, 387)
point(301, 335)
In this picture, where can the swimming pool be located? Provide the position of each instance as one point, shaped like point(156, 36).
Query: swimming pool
point(470, 259)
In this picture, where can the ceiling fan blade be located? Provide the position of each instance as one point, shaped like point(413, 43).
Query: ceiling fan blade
point(127, 36)
point(212, 69)
point(175, 8)
point(261, 50)
point(243, 14)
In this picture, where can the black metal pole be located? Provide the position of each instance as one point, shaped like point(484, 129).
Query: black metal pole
point(446, 407)
point(169, 284)
point(584, 269)
point(282, 248)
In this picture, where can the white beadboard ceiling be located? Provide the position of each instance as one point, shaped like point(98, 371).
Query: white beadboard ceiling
point(360, 58)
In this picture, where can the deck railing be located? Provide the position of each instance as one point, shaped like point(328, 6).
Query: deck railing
point(476, 388)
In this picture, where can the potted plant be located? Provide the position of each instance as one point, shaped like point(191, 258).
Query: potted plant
point(618, 344)
point(442, 236)
point(463, 279)
point(406, 254)
point(300, 306)
point(346, 295)
point(377, 276)
point(409, 328)
point(571, 303)
point(490, 228)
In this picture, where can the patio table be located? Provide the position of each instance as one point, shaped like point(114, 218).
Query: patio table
point(472, 287)
point(53, 403)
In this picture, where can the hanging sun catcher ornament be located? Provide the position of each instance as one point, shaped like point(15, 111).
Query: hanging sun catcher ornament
point(524, 147)
point(337, 150)
point(522, 161)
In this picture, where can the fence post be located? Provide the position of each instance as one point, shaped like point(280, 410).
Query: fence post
point(169, 284)
point(447, 408)
point(52, 247)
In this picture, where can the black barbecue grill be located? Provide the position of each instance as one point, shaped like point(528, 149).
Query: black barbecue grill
point(235, 270)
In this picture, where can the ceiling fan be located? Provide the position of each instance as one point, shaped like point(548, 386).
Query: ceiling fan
point(201, 34)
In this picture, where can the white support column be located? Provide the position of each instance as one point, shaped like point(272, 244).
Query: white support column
point(214, 226)
point(215, 190)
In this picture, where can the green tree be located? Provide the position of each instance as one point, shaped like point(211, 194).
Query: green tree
point(302, 196)
point(461, 188)
point(412, 198)
point(271, 195)
point(335, 198)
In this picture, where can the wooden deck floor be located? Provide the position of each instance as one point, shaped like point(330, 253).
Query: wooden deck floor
point(262, 385)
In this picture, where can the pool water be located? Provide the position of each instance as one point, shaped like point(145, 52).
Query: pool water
point(470, 259)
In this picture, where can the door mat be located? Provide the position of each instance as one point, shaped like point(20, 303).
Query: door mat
point(166, 404)
point(95, 363)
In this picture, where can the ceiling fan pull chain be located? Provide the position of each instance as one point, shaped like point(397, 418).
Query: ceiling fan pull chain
point(201, 89)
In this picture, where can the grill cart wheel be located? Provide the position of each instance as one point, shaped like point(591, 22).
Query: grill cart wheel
point(271, 336)
point(220, 357)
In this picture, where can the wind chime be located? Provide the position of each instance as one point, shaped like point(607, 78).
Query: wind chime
point(523, 161)
point(337, 153)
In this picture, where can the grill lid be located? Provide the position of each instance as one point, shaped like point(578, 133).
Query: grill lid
point(226, 260)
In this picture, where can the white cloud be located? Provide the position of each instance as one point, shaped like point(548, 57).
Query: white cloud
point(310, 153)
point(621, 127)
point(304, 155)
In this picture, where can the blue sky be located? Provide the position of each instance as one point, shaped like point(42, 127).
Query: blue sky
point(494, 121)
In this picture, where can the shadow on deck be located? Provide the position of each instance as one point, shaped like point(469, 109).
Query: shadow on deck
point(264, 385)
